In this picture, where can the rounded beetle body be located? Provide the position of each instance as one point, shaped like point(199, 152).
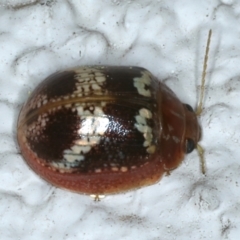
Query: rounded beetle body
point(105, 129)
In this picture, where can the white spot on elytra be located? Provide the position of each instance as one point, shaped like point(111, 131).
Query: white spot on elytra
point(73, 158)
point(114, 169)
point(92, 127)
point(124, 169)
point(145, 113)
point(89, 79)
point(146, 130)
point(96, 87)
point(80, 149)
point(140, 119)
point(101, 79)
point(142, 84)
point(151, 149)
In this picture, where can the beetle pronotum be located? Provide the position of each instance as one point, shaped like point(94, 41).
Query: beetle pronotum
point(106, 129)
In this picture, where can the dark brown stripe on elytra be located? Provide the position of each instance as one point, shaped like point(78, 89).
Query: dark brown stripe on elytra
point(120, 79)
point(58, 84)
point(58, 135)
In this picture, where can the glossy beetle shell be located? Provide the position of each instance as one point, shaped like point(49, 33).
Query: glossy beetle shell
point(104, 129)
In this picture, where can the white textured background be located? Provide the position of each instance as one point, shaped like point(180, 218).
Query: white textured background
point(40, 37)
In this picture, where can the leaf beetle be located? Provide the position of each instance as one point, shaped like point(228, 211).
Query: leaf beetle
point(106, 129)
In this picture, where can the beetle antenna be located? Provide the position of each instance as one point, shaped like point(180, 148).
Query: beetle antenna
point(201, 155)
point(199, 108)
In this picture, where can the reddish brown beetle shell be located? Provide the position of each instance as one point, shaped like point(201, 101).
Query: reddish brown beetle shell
point(105, 129)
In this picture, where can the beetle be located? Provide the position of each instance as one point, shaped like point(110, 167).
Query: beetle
point(105, 129)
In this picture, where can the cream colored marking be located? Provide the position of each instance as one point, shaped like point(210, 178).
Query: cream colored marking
point(80, 149)
point(148, 136)
point(146, 130)
point(145, 113)
point(100, 79)
point(141, 83)
point(60, 165)
point(89, 77)
point(96, 87)
point(86, 88)
point(73, 158)
point(69, 161)
point(80, 110)
point(114, 169)
point(146, 143)
point(143, 128)
point(98, 170)
point(124, 169)
point(85, 140)
point(68, 105)
point(94, 125)
point(151, 149)
point(141, 119)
